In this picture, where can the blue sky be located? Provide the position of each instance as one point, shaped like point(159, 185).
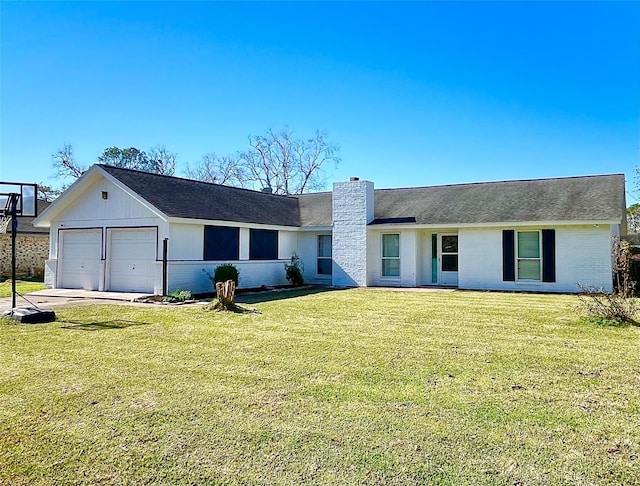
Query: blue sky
point(415, 93)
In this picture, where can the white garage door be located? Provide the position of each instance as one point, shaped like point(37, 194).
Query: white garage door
point(131, 260)
point(80, 259)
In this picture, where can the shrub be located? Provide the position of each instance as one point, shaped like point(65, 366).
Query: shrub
point(293, 269)
point(619, 307)
point(609, 309)
point(224, 272)
point(178, 296)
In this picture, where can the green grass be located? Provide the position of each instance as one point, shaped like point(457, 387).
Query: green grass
point(22, 287)
point(343, 387)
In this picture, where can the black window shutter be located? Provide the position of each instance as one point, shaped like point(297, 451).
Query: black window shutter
point(508, 256)
point(548, 255)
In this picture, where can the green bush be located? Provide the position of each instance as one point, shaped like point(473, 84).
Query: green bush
point(293, 269)
point(178, 296)
point(224, 272)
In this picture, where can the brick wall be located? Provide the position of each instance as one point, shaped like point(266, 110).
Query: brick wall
point(352, 210)
point(31, 252)
point(583, 255)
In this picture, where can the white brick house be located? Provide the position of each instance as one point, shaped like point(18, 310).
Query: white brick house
point(108, 231)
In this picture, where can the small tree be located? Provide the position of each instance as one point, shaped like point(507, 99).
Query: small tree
point(621, 257)
point(293, 270)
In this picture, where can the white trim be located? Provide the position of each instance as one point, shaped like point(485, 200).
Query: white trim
point(509, 224)
point(313, 228)
point(318, 257)
point(231, 224)
point(539, 259)
point(383, 258)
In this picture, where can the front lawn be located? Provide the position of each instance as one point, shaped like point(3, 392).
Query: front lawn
point(22, 287)
point(342, 387)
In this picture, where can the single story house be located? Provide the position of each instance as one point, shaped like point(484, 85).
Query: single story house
point(123, 230)
point(32, 247)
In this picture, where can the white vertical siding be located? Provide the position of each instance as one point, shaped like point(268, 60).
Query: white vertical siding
point(119, 206)
point(583, 255)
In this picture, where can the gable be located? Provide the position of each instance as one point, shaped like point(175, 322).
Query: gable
point(89, 205)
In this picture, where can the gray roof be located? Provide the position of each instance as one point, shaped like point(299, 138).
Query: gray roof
point(185, 198)
point(585, 198)
point(588, 198)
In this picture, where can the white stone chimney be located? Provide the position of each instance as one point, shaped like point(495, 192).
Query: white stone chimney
point(352, 211)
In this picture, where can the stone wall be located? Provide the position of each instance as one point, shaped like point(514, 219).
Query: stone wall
point(31, 252)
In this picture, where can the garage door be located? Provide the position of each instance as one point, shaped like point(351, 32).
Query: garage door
point(131, 260)
point(80, 259)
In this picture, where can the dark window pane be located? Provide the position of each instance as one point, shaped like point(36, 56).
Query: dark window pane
point(324, 266)
point(263, 244)
point(449, 263)
point(221, 243)
point(449, 244)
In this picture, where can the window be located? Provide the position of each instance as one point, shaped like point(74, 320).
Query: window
point(221, 243)
point(528, 255)
point(263, 244)
point(450, 253)
point(391, 255)
point(324, 254)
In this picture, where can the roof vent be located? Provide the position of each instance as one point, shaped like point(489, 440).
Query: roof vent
point(267, 190)
point(353, 179)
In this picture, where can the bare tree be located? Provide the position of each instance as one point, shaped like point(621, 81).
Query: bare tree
point(288, 165)
point(161, 161)
point(65, 163)
point(48, 193)
point(218, 169)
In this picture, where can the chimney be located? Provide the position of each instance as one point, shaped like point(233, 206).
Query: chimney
point(352, 212)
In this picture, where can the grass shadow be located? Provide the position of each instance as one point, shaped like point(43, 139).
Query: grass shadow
point(273, 295)
point(100, 326)
point(214, 306)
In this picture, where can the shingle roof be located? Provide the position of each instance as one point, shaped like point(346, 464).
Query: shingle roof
point(588, 198)
point(316, 209)
point(585, 198)
point(25, 225)
point(184, 198)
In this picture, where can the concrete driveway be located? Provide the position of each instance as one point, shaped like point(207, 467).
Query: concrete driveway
point(51, 298)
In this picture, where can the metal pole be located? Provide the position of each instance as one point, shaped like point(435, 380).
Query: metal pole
point(165, 242)
point(14, 226)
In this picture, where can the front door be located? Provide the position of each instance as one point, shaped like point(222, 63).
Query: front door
point(448, 260)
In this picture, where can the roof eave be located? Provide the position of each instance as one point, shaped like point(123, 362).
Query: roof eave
point(509, 224)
